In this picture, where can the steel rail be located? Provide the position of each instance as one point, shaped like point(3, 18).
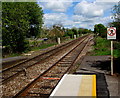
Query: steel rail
point(22, 70)
point(23, 92)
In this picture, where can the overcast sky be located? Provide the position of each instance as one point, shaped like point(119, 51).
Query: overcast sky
point(77, 13)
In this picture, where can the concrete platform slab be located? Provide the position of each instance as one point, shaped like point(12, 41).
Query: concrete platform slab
point(76, 85)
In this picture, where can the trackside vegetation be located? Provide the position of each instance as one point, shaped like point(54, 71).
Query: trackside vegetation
point(102, 46)
point(23, 30)
point(23, 21)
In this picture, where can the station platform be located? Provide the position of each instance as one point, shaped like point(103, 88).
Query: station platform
point(75, 85)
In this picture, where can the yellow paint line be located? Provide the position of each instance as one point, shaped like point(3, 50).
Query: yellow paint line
point(88, 86)
point(94, 87)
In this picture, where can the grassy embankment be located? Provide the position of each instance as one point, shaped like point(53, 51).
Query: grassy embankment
point(43, 45)
point(103, 47)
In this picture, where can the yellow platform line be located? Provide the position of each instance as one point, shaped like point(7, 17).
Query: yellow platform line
point(94, 87)
point(88, 86)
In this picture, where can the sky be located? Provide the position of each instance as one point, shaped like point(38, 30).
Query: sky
point(77, 13)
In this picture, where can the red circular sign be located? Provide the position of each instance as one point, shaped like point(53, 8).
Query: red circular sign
point(111, 31)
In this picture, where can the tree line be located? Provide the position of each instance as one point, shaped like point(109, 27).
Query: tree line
point(22, 20)
point(58, 30)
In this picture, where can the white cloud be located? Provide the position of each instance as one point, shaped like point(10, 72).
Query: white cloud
point(58, 18)
point(68, 22)
point(81, 18)
point(89, 23)
point(54, 18)
point(88, 9)
point(103, 20)
point(75, 21)
point(105, 5)
point(108, 1)
point(57, 5)
point(86, 14)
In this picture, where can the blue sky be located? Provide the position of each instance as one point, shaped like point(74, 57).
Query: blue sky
point(77, 13)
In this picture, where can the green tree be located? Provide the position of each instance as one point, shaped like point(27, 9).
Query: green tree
point(116, 12)
point(100, 29)
point(16, 24)
point(80, 30)
point(35, 14)
point(75, 31)
point(70, 33)
point(56, 31)
point(116, 22)
point(85, 31)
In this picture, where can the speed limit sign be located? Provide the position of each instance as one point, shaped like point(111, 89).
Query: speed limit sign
point(111, 33)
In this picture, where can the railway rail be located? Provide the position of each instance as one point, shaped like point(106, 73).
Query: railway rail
point(44, 84)
point(47, 75)
point(10, 73)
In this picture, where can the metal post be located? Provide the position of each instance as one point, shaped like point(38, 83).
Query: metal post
point(111, 57)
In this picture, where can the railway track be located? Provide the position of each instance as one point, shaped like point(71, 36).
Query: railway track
point(46, 81)
point(14, 85)
point(10, 73)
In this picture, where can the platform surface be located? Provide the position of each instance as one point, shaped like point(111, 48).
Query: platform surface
point(76, 85)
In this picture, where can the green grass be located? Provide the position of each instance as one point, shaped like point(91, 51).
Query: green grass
point(103, 47)
point(43, 46)
point(116, 53)
point(13, 55)
point(33, 42)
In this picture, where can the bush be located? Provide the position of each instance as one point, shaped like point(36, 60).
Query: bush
point(102, 46)
point(116, 45)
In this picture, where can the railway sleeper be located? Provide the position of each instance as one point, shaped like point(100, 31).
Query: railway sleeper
point(17, 70)
point(54, 75)
point(47, 87)
point(65, 65)
point(39, 94)
point(65, 62)
point(67, 59)
point(58, 70)
point(40, 90)
point(49, 78)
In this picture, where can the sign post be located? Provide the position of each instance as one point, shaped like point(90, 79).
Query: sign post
point(111, 34)
point(111, 57)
